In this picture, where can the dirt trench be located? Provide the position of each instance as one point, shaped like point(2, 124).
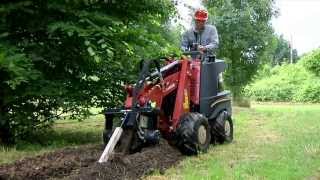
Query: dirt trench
point(81, 163)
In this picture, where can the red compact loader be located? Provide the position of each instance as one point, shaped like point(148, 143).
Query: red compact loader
point(181, 102)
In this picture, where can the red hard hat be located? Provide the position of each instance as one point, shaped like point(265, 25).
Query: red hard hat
point(201, 15)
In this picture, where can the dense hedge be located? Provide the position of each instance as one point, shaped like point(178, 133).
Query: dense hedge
point(289, 82)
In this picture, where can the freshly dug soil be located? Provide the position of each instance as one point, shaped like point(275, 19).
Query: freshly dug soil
point(81, 163)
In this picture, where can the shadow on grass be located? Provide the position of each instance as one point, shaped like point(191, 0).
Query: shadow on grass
point(58, 139)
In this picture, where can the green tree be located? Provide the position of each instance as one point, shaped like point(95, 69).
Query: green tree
point(281, 53)
point(295, 56)
point(59, 56)
point(245, 32)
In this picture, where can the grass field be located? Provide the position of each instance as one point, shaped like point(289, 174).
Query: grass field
point(272, 141)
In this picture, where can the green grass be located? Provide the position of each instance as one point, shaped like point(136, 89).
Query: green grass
point(271, 142)
point(65, 133)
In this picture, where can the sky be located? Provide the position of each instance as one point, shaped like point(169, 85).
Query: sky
point(298, 21)
point(184, 10)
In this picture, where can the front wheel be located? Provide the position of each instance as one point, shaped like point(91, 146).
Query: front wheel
point(193, 134)
point(222, 128)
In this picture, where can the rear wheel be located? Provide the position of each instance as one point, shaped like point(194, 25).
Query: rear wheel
point(193, 134)
point(222, 128)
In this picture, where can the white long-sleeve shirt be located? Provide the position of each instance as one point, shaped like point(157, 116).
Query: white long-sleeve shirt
point(207, 37)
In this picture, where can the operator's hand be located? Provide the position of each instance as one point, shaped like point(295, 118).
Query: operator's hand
point(202, 49)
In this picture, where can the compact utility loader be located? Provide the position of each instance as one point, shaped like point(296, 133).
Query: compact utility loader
point(182, 102)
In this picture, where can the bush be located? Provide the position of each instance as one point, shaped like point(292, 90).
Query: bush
point(289, 82)
point(309, 92)
point(312, 62)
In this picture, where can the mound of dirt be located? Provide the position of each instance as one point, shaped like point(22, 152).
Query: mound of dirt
point(81, 163)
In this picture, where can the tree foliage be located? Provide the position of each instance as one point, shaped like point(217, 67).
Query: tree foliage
point(59, 56)
point(245, 32)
